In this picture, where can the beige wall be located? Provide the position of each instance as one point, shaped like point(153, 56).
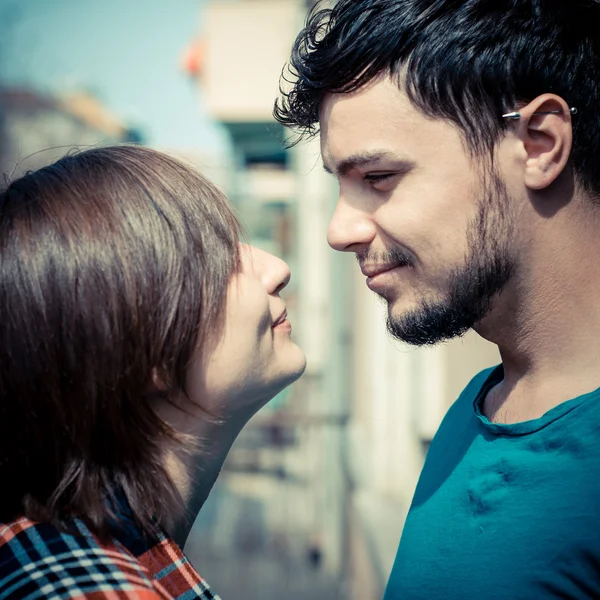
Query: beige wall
point(465, 358)
point(248, 42)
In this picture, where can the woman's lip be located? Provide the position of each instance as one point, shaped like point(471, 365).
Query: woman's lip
point(282, 319)
point(284, 325)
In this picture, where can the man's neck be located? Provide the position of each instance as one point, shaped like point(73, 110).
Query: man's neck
point(547, 325)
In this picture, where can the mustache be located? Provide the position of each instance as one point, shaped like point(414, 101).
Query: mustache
point(396, 256)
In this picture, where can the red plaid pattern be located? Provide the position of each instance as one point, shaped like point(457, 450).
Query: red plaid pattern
point(38, 561)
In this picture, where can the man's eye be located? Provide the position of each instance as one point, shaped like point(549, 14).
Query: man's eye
point(378, 177)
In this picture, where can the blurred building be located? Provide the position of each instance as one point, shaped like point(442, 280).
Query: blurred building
point(36, 129)
point(367, 408)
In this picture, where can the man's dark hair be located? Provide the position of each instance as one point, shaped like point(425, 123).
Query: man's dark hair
point(115, 264)
point(467, 61)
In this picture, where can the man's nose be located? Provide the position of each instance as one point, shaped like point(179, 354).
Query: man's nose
point(350, 229)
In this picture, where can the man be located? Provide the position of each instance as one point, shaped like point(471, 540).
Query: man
point(465, 137)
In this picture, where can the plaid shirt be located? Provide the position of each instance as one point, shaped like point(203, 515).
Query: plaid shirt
point(39, 561)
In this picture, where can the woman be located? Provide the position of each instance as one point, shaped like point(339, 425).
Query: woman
point(137, 338)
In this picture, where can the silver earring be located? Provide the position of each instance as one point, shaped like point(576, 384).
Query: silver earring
point(517, 115)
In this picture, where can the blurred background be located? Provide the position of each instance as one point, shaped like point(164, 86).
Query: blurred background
point(313, 497)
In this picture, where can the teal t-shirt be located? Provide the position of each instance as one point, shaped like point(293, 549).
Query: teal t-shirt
point(505, 511)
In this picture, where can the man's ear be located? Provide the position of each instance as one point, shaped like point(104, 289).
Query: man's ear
point(547, 139)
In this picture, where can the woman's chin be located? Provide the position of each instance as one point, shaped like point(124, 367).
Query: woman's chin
point(297, 366)
point(284, 379)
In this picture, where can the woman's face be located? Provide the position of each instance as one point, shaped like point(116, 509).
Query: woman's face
point(255, 357)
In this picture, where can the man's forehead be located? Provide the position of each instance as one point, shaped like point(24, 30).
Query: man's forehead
point(381, 94)
point(380, 120)
point(351, 135)
point(375, 117)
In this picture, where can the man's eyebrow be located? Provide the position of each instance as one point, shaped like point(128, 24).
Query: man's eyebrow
point(371, 159)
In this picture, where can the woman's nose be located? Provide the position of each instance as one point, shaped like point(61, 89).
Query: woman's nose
point(273, 272)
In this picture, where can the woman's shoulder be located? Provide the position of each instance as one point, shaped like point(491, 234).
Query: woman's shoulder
point(39, 560)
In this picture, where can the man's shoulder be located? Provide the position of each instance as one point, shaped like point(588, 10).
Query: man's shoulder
point(453, 439)
point(478, 382)
point(461, 416)
point(40, 560)
point(464, 403)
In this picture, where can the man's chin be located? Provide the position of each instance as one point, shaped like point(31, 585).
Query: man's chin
point(425, 326)
point(402, 308)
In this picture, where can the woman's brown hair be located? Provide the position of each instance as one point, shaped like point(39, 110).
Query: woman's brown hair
point(114, 262)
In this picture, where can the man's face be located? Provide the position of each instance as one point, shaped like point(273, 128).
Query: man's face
point(432, 235)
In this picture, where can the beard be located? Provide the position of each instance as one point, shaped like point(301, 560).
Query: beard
point(473, 287)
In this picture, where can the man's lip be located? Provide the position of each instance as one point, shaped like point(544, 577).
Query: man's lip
point(281, 319)
point(382, 282)
point(373, 270)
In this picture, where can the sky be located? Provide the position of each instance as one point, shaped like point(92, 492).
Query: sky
point(128, 52)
